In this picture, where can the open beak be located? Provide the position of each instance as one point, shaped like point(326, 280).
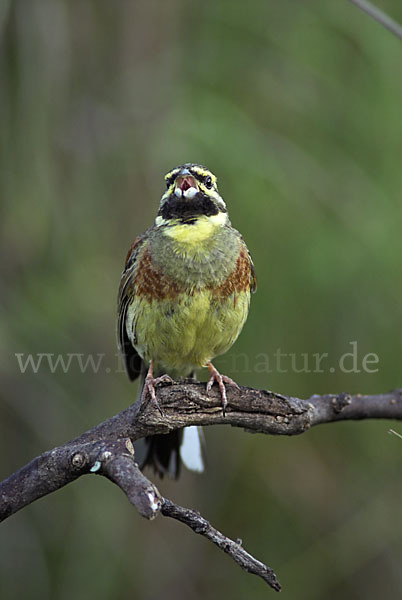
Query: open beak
point(186, 182)
point(186, 185)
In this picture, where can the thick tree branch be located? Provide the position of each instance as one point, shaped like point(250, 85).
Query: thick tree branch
point(183, 405)
point(107, 448)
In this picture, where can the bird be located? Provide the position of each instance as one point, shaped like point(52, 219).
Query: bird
point(183, 299)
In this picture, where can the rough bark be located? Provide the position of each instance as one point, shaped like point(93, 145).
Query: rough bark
point(107, 449)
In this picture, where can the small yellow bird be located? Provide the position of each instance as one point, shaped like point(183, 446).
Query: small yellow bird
point(184, 297)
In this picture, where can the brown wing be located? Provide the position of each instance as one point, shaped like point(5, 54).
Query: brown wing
point(132, 360)
point(253, 276)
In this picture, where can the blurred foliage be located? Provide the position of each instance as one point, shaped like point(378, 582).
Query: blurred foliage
point(297, 108)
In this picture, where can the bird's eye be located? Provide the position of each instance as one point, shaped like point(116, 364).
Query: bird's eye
point(168, 183)
point(208, 182)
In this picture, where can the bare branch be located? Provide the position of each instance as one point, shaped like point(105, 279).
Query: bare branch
point(378, 15)
point(52, 470)
point(198, 524)
point(107, 449)
point(183, 405)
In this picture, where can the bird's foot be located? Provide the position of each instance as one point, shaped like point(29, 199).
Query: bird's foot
point(150, 384)
point(220, 380)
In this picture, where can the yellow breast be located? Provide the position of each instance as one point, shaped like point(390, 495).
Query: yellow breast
point(185, 333)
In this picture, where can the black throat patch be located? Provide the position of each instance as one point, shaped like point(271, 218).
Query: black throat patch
point(188, 210)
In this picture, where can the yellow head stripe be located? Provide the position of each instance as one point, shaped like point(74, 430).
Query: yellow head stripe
point(204, 173)
point(196, 169)
point(171, 173)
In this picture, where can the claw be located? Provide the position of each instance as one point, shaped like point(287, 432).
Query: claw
point(149, 386)
point(220, 380)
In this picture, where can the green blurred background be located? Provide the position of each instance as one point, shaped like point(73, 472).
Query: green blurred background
point(296, 106)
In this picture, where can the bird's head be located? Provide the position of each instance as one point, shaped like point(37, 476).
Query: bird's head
point(191, 193)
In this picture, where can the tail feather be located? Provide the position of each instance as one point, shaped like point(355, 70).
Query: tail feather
point(191, 449)
point(163, 453)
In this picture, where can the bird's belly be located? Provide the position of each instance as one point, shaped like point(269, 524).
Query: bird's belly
point(185, 333)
